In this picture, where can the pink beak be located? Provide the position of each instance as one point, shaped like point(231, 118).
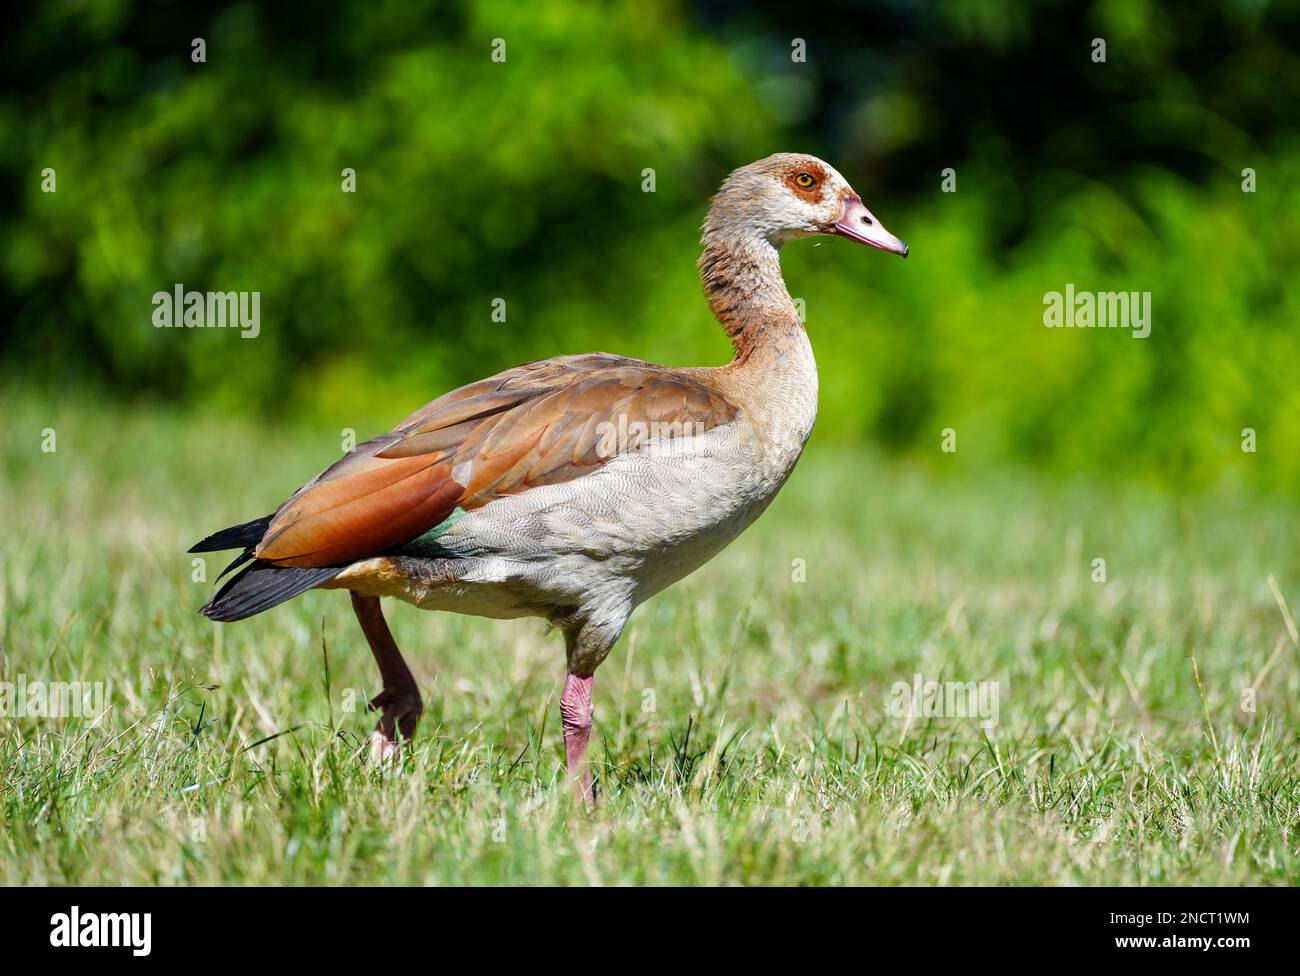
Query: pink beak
point(857, 223)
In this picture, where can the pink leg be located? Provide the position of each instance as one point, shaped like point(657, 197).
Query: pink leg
point(575, 713)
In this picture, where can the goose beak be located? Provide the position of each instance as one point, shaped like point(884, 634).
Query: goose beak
point(857, 223)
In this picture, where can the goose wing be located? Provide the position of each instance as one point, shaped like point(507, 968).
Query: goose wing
point(537, 424)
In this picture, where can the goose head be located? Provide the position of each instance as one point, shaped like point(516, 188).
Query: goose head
point(792, 195)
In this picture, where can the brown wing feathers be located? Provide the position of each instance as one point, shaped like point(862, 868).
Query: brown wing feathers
point(534, 425)
point(338, 521)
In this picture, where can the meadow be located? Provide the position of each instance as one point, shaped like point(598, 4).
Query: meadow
point(1145, 730)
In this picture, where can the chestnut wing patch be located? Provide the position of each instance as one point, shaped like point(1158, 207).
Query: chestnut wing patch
point(538, 424)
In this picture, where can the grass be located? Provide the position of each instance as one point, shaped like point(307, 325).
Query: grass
point(742, 732)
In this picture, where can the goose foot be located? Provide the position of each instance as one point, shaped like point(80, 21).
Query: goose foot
point(401, 711)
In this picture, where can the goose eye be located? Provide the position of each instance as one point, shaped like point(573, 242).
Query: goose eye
point(804, 181)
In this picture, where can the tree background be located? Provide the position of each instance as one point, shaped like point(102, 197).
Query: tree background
point(522, 180)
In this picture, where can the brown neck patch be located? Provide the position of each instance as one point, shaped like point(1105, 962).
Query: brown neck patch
point(747, 294)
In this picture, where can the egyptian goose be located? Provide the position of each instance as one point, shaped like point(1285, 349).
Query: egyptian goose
point(574, 488)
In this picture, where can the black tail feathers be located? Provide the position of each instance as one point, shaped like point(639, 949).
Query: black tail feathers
point(261, 586)
point(236, 537)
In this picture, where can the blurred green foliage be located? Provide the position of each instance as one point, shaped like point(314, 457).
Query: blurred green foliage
point(522, 180)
